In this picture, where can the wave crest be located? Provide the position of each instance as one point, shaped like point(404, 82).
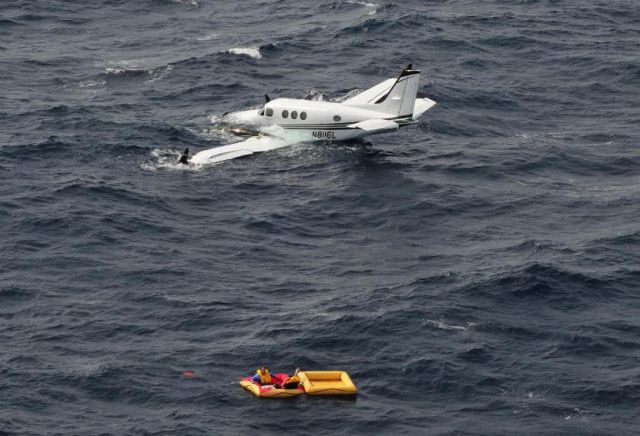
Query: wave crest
point(253, 52)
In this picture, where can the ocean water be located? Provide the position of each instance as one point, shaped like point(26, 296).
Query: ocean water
point(476, 274)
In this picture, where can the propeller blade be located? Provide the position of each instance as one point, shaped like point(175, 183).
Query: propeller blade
point(184, 159)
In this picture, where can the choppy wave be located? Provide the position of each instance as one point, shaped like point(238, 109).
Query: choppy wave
point(165, 159)
point(186, 2)
point(253, 52)
point(133, 70)
point(208, 37)
point(369, 5)
point(475, 273)
point(5, 22)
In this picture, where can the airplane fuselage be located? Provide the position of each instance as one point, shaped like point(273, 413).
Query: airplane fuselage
point(316, 120)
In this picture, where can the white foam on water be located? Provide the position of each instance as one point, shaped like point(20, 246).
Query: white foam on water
point(366, 4)
point(159, 73)
point(117, 71)
point(363, 3)
point(92, 84)
point(123, 66)
point(443, 326)
point(153, 69)
point(166, 159)
point(242, 117)
point(220, 126)
point(348, 95)
point(253, 52)
point(213, 133)
point(208, 37)
point(214, 118)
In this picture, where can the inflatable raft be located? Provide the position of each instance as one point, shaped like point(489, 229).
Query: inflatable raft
point(271, 391)
point(311, 382)
point(327, 383)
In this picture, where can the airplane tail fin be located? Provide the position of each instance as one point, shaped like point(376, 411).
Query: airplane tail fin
point(401, 97)
point(395, 97)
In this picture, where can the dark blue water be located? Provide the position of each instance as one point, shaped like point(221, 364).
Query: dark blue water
point(477, 274)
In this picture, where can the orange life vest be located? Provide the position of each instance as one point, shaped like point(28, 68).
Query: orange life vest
point(265, 377)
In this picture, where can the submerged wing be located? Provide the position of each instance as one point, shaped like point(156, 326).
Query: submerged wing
point(252, 145)
point(375, 125)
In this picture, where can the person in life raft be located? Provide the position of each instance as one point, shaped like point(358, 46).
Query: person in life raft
point(263, 377)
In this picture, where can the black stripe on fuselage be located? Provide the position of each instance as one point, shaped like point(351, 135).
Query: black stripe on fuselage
point(399, 117)
point(317, 128)
point(343, 126)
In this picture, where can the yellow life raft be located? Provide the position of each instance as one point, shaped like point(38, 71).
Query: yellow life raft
point(271, 391)
point(327, 383)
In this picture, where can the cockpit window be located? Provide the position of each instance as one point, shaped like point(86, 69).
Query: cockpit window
point(261, 113)
point(336, 118)
point(294, 115)
point(303, 115)
point(285, 113)
point(269, 112)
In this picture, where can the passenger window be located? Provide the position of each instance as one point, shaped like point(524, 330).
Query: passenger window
point(336, 118)
point(285, 113)
point(294, 115)
point(269, 112)
point(303, 115)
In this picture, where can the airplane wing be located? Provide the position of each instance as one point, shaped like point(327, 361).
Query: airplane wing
point(375, 125)
point(252, 145)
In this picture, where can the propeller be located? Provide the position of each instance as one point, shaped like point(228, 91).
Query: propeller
point(266, 97)
point(184, 159)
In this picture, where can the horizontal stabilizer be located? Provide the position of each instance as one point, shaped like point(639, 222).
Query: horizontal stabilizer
point(421, 106)
point(375, 125)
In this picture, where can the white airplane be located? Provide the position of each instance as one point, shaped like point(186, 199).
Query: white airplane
point(387, 106)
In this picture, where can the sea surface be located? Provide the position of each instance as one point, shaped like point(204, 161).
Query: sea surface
point(477, 273)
